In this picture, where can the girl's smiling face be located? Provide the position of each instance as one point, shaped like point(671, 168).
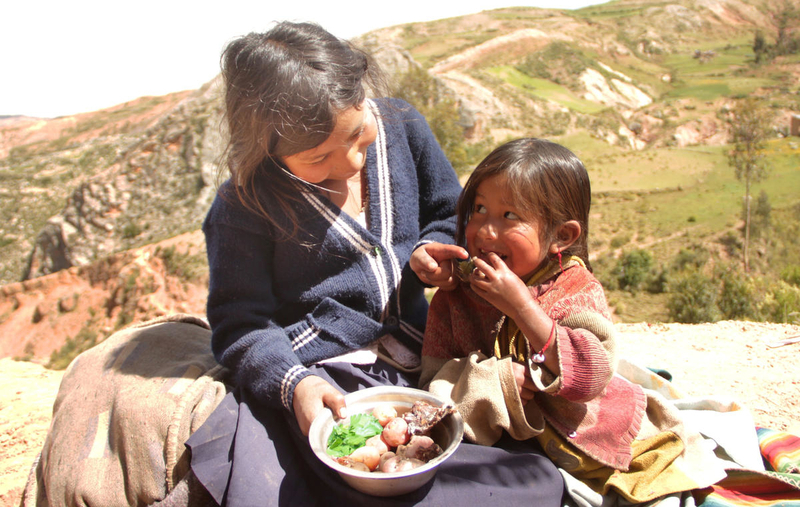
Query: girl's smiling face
point(497, 225)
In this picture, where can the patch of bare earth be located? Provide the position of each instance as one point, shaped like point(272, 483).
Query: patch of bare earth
point(731, 359)
point(27, 393)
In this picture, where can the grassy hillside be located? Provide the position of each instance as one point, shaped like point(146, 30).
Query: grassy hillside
point(659, 169)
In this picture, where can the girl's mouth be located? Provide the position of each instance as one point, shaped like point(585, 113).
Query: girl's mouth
point(484, 255)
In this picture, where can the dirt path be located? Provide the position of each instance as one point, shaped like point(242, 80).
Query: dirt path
point(727, 359)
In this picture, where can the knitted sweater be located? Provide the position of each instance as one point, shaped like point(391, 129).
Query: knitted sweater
point(277, 305)
point(598, 412)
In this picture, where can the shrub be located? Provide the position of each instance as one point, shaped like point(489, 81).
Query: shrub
point(791, 275)
point(633, 269)
point(737, 298)
point(603, 268)
point(783, 303)
point(620, 240)
point(131, 230)
point(658, 283)
point(693, 298)
point(84, 340)
point(430, 98)
point(186, 266)
point(694, 257)
point(761, 215)
point(732, 243)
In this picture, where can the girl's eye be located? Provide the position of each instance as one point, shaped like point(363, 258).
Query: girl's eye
point(356, 136)
point(480, 208)
point(511, 215)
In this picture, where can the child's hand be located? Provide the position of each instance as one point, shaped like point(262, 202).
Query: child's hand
point(498, 285)
point(432, 264)
point(524, 383)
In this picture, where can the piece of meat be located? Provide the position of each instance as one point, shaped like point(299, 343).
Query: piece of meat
point(420, 447)
point(423, 417)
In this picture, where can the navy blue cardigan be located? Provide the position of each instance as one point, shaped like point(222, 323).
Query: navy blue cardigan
point(276, 305)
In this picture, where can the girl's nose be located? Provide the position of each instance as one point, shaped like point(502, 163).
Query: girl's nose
point(356, 155)
point(487, 231)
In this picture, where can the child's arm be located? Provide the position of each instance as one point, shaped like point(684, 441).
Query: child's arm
point(498, 285)
point(581, 354)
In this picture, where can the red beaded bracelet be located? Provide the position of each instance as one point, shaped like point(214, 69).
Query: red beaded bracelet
point(538, 358)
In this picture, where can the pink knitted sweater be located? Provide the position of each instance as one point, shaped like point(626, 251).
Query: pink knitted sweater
point(598, 412)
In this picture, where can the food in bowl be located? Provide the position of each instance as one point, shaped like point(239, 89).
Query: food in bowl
point(447, 434)
point(385, 442)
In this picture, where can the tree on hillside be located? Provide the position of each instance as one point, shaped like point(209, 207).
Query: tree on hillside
point(785, 17)
point(750, 127)
point(760, 46)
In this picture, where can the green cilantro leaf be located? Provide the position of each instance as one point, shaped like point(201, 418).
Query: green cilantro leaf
point(347, 437)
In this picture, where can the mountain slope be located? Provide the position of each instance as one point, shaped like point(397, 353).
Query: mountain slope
point(638, 89)
point(80, 188)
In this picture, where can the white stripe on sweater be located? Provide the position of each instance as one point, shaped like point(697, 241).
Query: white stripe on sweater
point(386, 204)
point(352, 236)
point(305, 337)
point(288, 378)
point(411, 331)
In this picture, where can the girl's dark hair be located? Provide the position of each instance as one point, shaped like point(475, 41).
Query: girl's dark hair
point(283, 91)
point(548, 183)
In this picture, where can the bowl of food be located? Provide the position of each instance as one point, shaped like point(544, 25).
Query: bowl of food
point(392, 441)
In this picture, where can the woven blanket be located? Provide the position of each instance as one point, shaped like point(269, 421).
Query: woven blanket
point(778, 485)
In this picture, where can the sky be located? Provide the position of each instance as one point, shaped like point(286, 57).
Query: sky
point(59, 58)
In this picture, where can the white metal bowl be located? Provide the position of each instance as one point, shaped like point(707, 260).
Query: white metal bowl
point(447, 434)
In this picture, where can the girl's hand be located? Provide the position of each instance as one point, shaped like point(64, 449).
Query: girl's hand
point(432, 264)
point(311, 395)
point(498, 285)
point(524, 383)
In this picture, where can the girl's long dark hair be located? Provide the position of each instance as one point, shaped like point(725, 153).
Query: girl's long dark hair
point(283, 91)
point(550, 184)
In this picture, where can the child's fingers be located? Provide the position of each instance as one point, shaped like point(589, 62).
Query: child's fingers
point(496, 261)
point(483, 270)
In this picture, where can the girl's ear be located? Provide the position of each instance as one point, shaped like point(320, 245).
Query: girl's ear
point(566, 234)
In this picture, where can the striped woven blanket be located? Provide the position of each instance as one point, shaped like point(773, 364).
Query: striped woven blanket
point(778, 486)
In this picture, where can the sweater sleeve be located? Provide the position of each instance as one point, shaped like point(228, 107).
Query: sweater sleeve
point(240, 309)
point(439, 187)
point(586, 346)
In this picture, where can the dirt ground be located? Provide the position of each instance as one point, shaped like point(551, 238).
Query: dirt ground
point(724, 359)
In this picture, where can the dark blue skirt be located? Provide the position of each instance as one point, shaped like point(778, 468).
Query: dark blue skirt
point(250, 455)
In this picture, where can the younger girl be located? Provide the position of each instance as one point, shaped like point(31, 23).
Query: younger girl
point(525, 344)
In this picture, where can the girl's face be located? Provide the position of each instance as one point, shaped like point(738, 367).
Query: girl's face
point(496, 225)
point(343, 154)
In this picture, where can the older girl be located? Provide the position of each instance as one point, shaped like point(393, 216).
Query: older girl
point(332, 197)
